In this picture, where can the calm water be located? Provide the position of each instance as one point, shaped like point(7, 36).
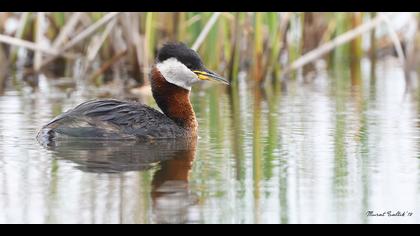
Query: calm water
point(322, 152)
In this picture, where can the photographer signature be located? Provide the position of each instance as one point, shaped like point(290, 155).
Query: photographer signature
point(389, 213)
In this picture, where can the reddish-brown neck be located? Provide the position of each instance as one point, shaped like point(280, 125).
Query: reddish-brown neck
point(174, 101)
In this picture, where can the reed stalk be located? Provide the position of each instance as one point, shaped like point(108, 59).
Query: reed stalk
point(273, 64)
point(4, 63)
point(233, 66)
point(83, 35)
point(22, 28)
point(39, 31)
point(32, 46)
point(356, 44)
point(182, 28)
point(394, 37)
point(336, 42)
point(91, 54)
point(356, 52)
point(66, 30)
point(107, 65)
point(205, 31)
point(258, 48)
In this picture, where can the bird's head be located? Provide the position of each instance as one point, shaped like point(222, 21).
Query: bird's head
point(183, 67)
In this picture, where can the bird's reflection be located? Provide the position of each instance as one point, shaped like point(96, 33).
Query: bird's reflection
point(173, 160)
point(171, 196)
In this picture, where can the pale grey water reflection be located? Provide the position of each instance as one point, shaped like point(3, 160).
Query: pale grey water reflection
point(323, 152)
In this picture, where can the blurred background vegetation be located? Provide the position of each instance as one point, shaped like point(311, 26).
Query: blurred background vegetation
point(105, 49)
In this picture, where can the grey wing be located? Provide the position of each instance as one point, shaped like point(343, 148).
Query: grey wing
point(111, 119)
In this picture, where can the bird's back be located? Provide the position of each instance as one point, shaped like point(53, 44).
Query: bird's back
point(111, 119)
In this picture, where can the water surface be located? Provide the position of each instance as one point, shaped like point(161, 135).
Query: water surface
point(327, 151)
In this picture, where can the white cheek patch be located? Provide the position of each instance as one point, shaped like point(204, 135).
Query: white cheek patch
point(177, 73)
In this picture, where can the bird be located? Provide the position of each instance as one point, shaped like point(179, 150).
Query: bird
point(176, 69)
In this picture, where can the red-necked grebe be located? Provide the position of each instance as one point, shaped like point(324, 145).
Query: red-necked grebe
point(177, 68)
